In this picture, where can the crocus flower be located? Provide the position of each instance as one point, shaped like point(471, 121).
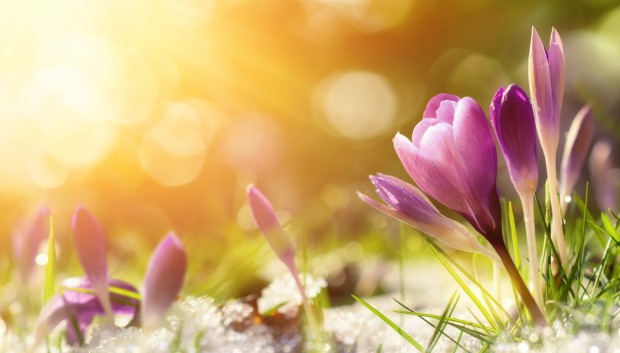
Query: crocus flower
point(578, 141)
point(546, 76)
point(77, 307)
point(603, 176)
point(513, 121)
point(269, 226)
point(90, 245)
point(512, 118)
point(408, 204)
point(164, 278)
point(26, 243)
point(452, 158)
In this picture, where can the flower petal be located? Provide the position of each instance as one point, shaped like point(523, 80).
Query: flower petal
point(476, 149)
point(90, 245)
point(268, 224)
point(164, 278)
point(512, 118)
point(413, 208)
point(433, 105)
point(439, 180)
point(556, 73)
point(541, 89)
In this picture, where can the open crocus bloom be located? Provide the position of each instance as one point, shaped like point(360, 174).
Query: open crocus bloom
point(408, 204)
point(77, 306)
point(452, 158)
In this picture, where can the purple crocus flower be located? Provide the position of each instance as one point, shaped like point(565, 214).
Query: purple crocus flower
point(90, 245)
point(271, 229)
point(78, 305)
point(26, 243)
point(546, 76)
point(578, 141)
point(408, 204)
point(265, 218)
point(512, 118)
point(452, 158)
point(164, 278)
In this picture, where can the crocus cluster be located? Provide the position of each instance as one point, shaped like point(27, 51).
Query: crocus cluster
point(451, 157)
point(80, 300)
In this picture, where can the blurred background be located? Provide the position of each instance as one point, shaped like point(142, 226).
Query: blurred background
point(155, 115)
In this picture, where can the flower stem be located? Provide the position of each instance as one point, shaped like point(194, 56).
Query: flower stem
point(557, 234)
point(527, 202)
point(537, 315)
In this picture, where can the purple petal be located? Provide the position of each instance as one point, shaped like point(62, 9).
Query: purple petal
point(164, 278)
point(541, 90)
point(409, 205)
point(576, 147)
point(556, 73)
point(268, 224)
point(82, 307)
point(439, 180)
point(435, 102)
point(513, 121)
point(475, 145)
point(90, 244)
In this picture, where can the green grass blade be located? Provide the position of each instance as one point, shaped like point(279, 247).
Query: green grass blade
point(442, 323)
point(49, 288)
point(391, 323)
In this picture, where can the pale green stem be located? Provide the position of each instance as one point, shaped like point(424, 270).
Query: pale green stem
point(312, 320)
point(496, 279)
point(557, 234)
point(527, 202)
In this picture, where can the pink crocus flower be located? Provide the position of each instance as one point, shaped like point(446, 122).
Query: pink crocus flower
point(164, 279)
point(451, 157)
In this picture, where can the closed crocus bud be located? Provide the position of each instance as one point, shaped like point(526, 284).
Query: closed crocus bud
point(164, 278)
point(90, 245)
point(512, 118)
point(578, 141)
point(409, 205)
point(269, 226)
point(452, 158)
point(546, 76)
point(27, 241)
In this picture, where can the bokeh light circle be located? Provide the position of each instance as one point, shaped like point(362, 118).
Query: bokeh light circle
point(357, 104)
